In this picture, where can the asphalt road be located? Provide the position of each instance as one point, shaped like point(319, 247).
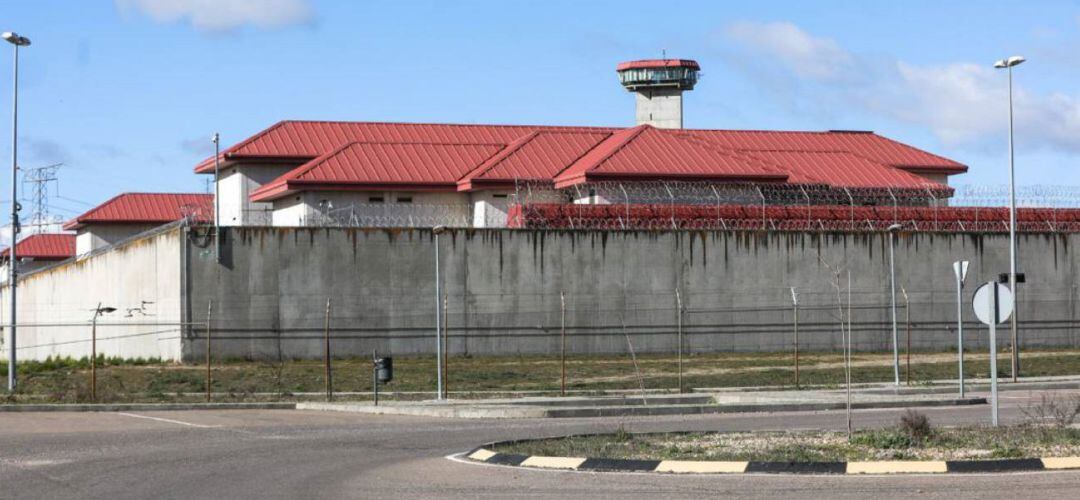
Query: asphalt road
point(303, 454)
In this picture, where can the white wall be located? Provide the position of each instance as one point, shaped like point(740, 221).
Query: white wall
point(362, 208)
point(235, 185)
point(93, 236)
point(141, 278)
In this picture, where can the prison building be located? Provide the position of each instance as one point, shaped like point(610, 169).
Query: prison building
point(128, 214)
point(304, 173)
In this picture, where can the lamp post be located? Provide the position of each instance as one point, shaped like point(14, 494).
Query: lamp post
point(93, 348)
point(892, 289)
point(216, 139)
point(437, 230)
point(1007, 64)
point(17, 41)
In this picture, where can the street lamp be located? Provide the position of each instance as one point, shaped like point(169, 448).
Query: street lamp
point(216, 139)
point(437, 230)
point(93, 347)
point(1007, 64)
point(892, 289)
point(17, 41)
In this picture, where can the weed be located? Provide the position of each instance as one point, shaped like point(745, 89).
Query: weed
point(915, 425)
point(1058, 411)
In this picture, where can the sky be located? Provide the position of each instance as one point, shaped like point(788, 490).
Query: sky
point(127, 93)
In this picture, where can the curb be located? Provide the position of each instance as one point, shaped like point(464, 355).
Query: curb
point(145, 407)
point(754, 467)
point(512, 411)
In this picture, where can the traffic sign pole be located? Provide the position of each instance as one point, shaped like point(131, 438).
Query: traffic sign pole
point(960, 268)
point(993, 356)
point(993, 303)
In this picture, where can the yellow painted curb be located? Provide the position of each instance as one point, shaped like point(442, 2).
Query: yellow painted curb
point(701, 467)
point(553, 462)
point(1061, 462)
point(896, 467)
point(482, 455)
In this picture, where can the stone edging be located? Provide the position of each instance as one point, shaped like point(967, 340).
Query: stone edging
point(716, 467)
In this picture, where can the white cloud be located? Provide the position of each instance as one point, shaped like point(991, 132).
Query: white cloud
point(962, 103)
point(807, 55)
point(223, 15)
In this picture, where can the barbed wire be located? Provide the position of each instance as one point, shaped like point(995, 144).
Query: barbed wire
point(689, 205)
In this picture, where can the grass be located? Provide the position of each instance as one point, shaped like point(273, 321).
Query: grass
point(130, 380)
point(960, 443)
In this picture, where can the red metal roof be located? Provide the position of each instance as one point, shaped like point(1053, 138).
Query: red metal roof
point(137, 208)
point(546, 152)
point(840, 169)
point(375, 164)
point(540, 155)
point(658, 63)
point(43, 247)
point(307, 140)
point(866, 144)
point(648, 152)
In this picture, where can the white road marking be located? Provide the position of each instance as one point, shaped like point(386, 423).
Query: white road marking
point(169, 420)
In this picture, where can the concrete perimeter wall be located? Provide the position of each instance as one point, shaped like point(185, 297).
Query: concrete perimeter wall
point(270, 291)
point(139, 277)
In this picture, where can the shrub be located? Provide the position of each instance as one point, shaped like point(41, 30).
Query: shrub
point(915, 425)
point(1051, 409)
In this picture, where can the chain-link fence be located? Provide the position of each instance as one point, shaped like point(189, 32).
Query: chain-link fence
point(581, 342)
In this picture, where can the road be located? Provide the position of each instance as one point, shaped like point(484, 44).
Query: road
point(300, 454)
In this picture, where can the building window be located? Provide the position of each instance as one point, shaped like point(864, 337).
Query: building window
point(404, 199)
point(499, 195)
point(375, 199)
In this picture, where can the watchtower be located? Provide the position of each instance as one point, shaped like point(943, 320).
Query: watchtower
point(659, 85)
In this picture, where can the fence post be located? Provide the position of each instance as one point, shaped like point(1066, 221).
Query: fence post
point(679, 335)
point(907, 321)
point(326, 354)
point(209, 380)
point(562, 337)
point(93, 355)
point(795, 313)
point(446, 355)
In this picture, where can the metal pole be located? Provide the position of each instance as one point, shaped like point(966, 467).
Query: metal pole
point(795, 313)
point(445, 353)
point(12, 259)
point(93, 354)
point(907, 327)
point(209, 377)
point(679, 314)
point(993, 359)
point(847, 357)
point(375, 375)
point(562, 337)
point(438, 325)
point(1012, 239)
point(217, 197)
point(892, 290)
point(960, 331)
point(326, 354)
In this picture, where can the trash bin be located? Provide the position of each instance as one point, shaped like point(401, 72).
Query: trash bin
point(384, 369)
